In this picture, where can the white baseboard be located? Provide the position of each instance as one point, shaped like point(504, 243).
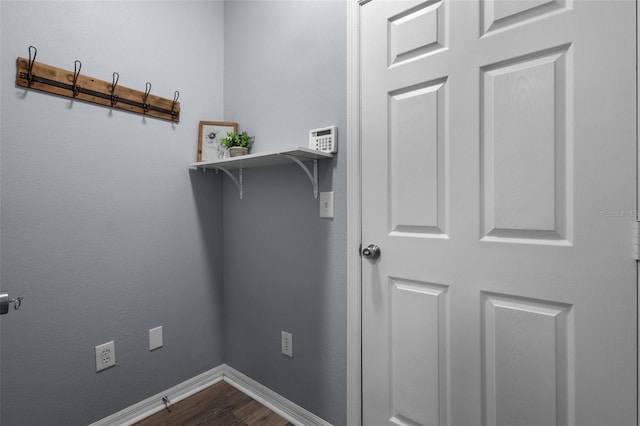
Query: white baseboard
point(154, 404)
point(285, 408)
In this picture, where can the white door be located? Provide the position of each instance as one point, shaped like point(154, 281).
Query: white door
point(499, 181)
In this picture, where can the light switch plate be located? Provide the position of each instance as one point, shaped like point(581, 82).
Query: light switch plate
point(155, 338)
point(326, 204)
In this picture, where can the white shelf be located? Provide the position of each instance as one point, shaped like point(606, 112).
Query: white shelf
point(263, 159)
point(270, 159)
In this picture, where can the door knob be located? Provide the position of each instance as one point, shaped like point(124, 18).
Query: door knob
point(371, 252)
point(5, 302)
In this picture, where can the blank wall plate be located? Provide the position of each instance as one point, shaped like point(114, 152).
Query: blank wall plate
point(155, 338)
point(326, 204)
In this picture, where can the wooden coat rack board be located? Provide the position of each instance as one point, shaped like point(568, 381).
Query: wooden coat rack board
point(74, 85)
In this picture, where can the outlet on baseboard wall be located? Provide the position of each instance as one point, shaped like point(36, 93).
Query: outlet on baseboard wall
point(105, 356)
point(286, 341)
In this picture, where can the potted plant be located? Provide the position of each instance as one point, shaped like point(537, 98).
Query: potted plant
point(237, 143)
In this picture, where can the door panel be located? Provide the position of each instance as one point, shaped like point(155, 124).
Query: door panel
point(416, 32)
point(496, 136)
point(524, 147)
point(416, 172)
point(501, 13)
point(417, 335)
point(527, 341)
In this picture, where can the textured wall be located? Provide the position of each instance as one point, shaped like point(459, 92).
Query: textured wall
point(104, 230)
point(285, 268)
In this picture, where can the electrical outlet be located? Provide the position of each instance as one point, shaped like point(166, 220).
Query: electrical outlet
point(287, 344)
point(105, 355)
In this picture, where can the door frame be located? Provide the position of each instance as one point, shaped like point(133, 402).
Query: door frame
point(354, 224)
point(637, 212)
point(354, 211)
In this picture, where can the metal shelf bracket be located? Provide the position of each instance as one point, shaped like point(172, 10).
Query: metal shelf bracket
point(238, 182)
point(313, 178)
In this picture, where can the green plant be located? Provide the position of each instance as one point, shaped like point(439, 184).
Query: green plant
point(235, 139)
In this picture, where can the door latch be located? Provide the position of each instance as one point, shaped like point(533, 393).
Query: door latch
point(636, 240)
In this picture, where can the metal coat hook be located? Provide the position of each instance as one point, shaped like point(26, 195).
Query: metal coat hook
point(147, 90)
point(30, 76)
point(77, 66)
point(114, 97)
point(174, 113)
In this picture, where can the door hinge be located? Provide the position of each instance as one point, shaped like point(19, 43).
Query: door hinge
point(636, 240)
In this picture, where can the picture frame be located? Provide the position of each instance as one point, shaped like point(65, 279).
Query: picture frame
point(209, 135)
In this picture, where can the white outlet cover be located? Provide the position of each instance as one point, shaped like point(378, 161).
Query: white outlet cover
point(105, 355)
point(155, 338)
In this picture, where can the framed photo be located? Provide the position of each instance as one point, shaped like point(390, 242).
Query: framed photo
point(209, 147)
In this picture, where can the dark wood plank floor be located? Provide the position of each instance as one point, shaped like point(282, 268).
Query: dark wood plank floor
point(218, 405)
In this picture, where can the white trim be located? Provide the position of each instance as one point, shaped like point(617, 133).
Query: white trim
point(354, 234)
point(637, 215)
point(154, 404)
point(280, 405)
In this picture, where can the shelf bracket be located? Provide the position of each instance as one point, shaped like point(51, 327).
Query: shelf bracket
point(237, 182)
point(313, 178)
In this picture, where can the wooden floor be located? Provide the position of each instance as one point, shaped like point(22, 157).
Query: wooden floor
point(219, 405)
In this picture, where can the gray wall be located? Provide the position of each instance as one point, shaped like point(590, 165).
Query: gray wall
point(285, 268)
point(104, 230)
point(106, 233)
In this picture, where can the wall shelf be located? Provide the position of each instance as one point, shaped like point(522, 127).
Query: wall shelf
point(298, 156)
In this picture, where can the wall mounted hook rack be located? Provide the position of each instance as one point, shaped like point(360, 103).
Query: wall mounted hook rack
point(72, 84)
